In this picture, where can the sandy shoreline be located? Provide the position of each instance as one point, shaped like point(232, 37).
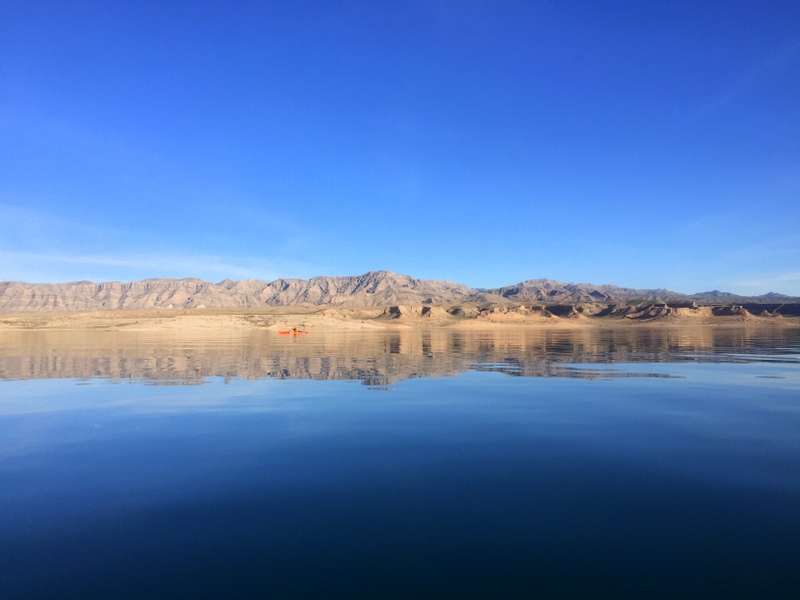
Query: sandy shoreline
point(348, 319)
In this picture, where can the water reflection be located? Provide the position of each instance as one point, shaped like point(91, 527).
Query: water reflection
point(379, 359)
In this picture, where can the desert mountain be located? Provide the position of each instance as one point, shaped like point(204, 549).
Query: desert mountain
point(556, 292)
point(376, 288)
point(546, 290)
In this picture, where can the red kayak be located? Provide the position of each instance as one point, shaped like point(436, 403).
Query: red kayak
point(290, 332)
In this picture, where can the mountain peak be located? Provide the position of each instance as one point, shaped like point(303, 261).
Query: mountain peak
point(374, 288)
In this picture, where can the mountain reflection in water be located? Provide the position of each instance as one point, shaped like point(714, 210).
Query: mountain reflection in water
point(378, 358)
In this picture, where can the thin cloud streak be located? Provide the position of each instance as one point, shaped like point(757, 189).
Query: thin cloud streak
point(19, 265)
point(750, 78)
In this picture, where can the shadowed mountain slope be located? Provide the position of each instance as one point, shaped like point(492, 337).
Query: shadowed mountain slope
point(556, 292)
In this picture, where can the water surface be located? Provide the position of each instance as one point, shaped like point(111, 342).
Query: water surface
point(650, 462)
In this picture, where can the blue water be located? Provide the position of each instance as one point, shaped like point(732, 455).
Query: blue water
point(676, 475)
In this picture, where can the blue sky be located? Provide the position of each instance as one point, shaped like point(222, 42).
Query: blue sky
point(646, 144)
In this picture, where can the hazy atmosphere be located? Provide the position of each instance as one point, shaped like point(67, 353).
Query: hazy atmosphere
point(639, 144)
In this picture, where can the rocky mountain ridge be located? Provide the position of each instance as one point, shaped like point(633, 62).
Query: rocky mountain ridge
point(375, 288)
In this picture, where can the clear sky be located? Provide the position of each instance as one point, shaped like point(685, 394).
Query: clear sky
point(646, 144)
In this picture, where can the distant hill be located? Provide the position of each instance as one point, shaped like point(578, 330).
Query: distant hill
point(376, 288)
point(555, 292)
point(546, 290)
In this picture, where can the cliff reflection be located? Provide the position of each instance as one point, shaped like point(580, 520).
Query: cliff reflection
point(374, 358)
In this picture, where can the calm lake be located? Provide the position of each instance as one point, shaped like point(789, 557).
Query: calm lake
point(642, 463)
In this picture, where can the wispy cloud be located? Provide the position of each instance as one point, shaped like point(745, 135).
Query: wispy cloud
point(39, 245)
point(31, 229)
point(750, 78)
point(45, 267)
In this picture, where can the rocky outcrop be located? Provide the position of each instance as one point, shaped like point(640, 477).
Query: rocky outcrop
point(377, 288)
point(373, 289)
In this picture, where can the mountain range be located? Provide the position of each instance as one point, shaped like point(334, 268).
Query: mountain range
point(376, 288)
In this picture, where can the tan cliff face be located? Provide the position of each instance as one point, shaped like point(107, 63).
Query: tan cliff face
point(379, 288)
point(373, 289)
